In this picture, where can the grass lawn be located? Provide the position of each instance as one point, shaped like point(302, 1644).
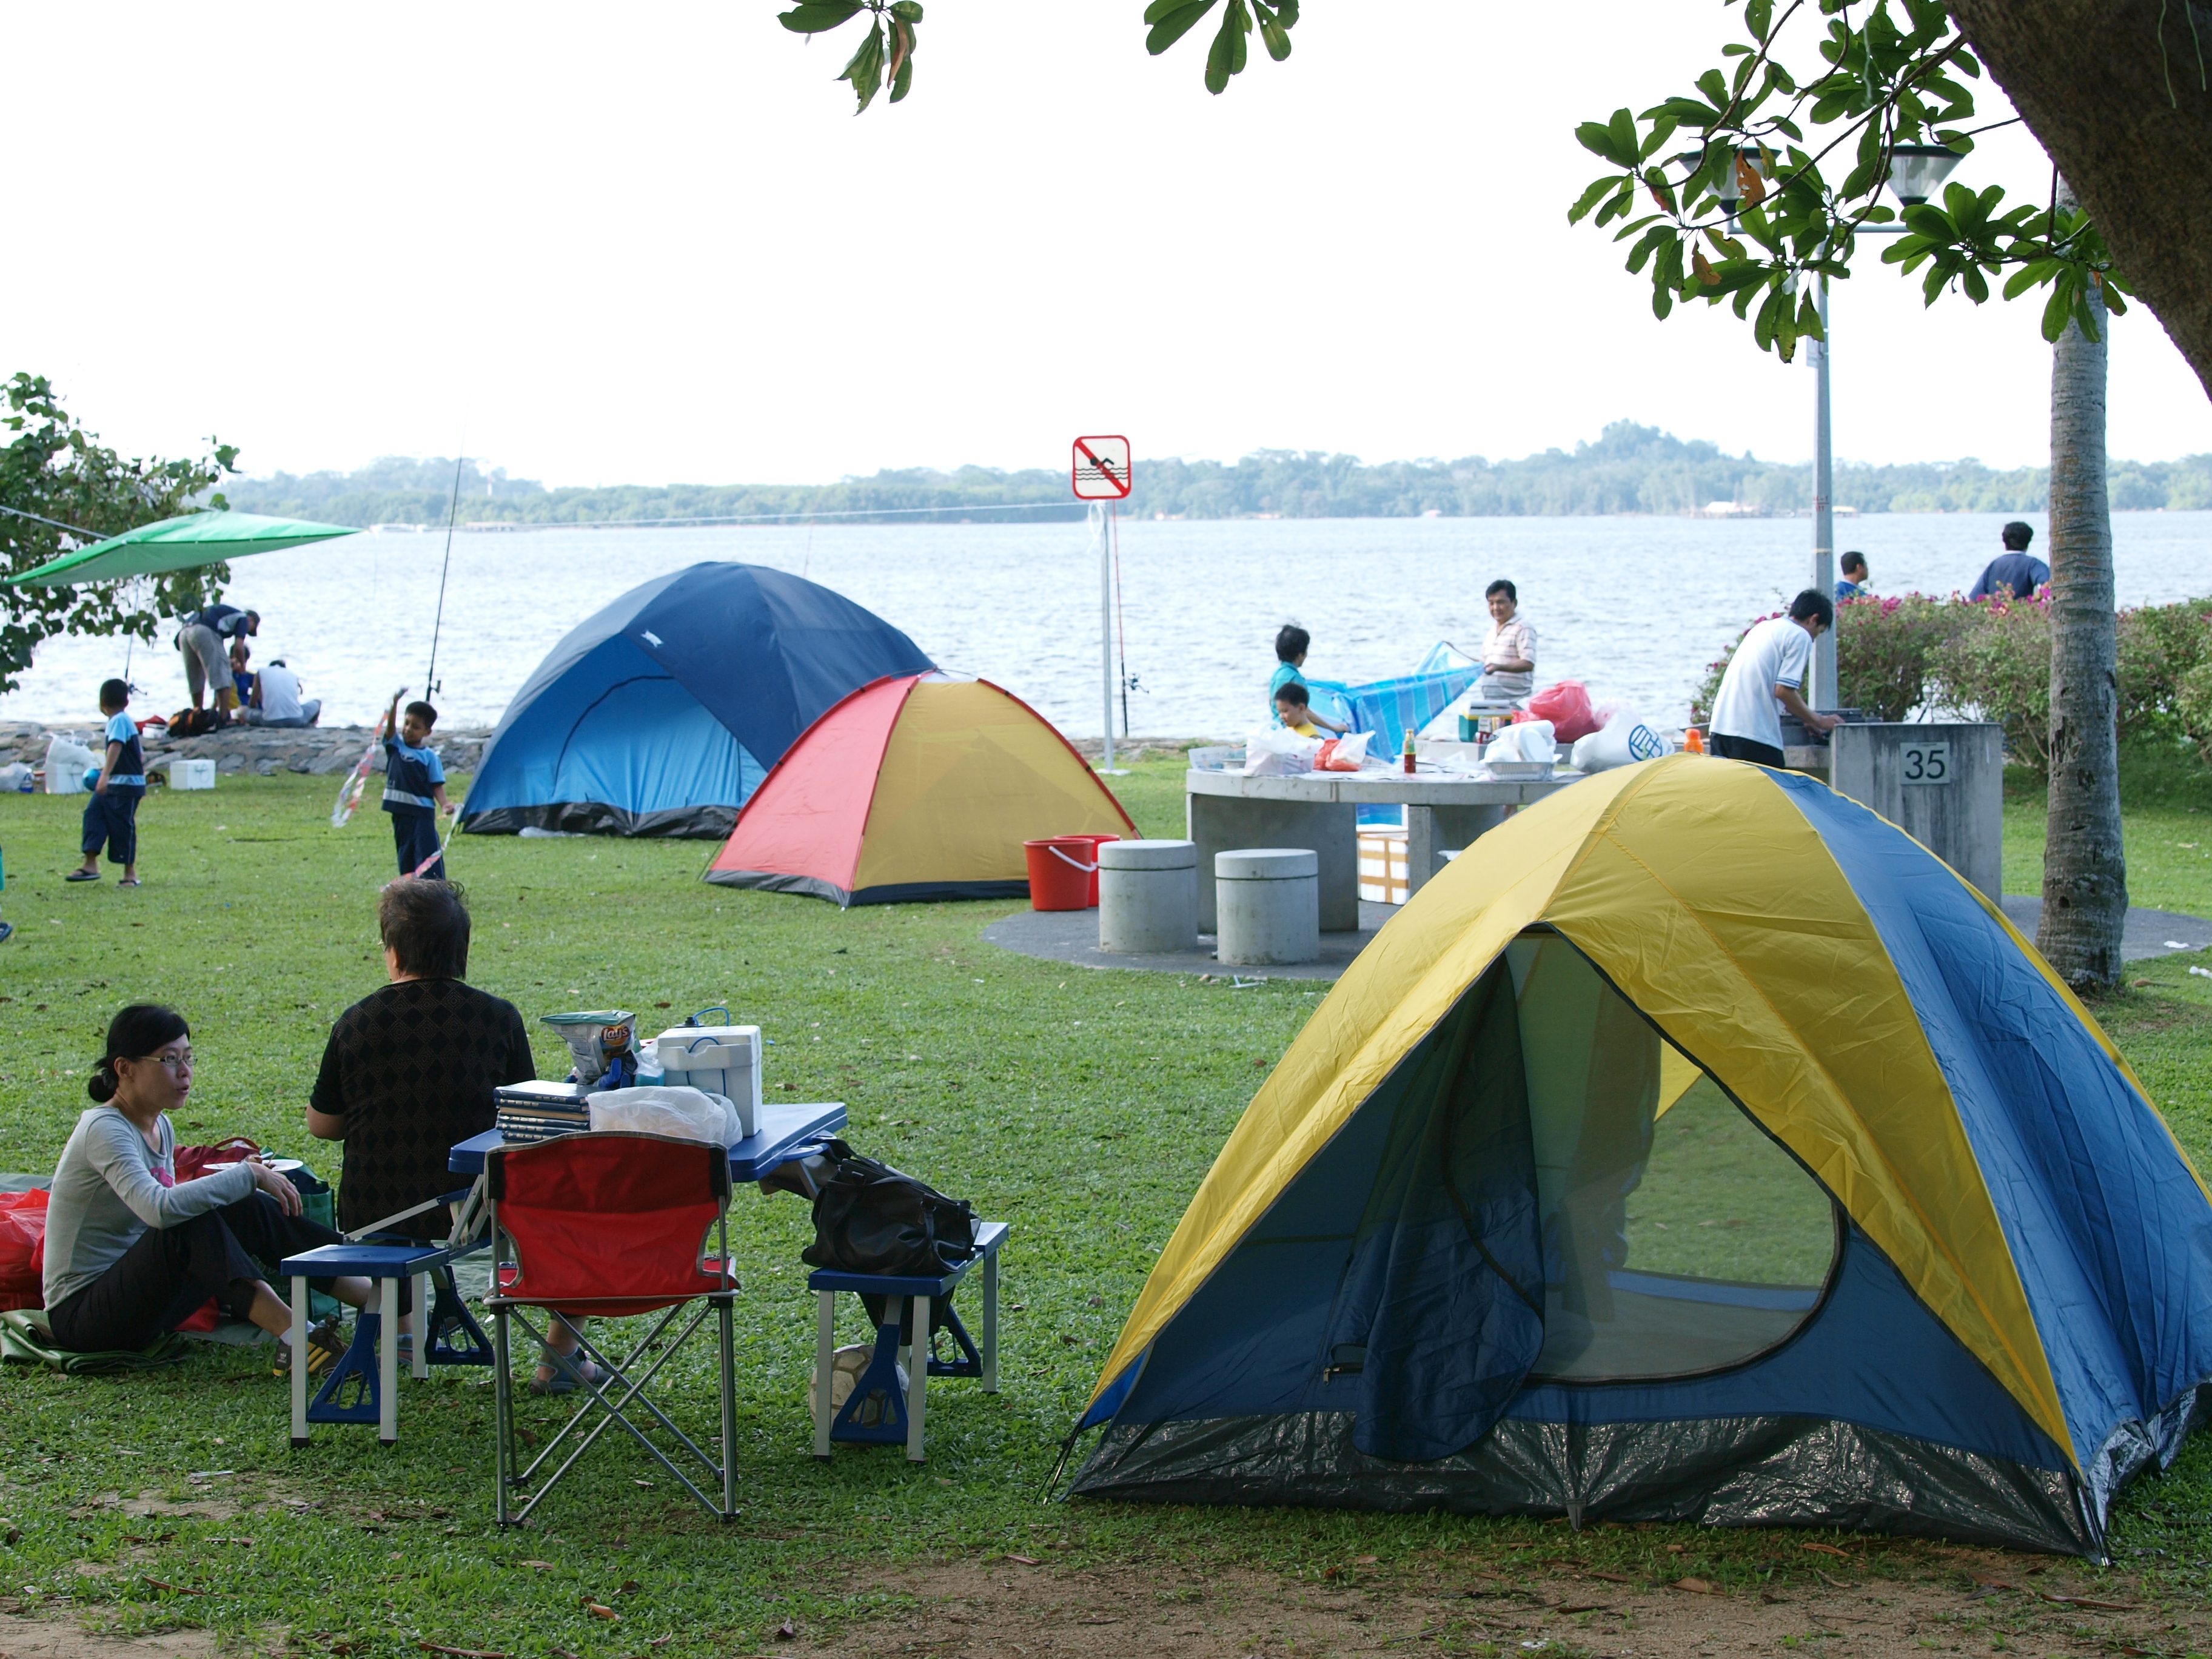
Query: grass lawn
point(1082, 1107)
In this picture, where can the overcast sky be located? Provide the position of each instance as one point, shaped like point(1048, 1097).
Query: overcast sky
point(643, 245)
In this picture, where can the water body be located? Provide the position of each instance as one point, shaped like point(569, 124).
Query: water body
point(1635, 607)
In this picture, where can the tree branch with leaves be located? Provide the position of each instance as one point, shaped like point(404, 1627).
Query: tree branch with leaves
point(1752, 218)
point(62, 489)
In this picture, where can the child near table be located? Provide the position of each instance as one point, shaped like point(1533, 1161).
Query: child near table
point(111, 815)
point(413, 788)
point(1294, 709)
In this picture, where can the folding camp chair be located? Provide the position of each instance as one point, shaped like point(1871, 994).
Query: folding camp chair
point(613, 1224)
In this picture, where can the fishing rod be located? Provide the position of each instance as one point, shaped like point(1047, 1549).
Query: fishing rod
point(452, 512)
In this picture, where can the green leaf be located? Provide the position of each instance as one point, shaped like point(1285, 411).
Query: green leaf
point(1589, 198)
point(1277, 38)
point(1171, 20)
point(1603, 139)
point(865, 68)
point(906, 11)
point(1226, 55)
point(814, 16)
point(1758, 18)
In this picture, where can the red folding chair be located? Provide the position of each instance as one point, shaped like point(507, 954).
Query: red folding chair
point(614, 1224)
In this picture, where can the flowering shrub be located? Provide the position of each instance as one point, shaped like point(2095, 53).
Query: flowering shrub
point(1886, 648)
point(1997, 665)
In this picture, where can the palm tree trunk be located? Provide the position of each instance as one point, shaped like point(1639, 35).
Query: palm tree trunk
point(2085, 871)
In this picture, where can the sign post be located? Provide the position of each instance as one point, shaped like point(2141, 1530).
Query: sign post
point(1100, 475)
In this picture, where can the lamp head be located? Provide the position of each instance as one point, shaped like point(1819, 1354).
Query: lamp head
point(1917, 172)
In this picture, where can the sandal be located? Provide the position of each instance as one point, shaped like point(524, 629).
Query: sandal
point(131, 881)
point(568, 1371)
point(81, 875)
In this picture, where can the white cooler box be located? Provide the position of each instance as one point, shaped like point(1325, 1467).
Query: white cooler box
point(192, 774)
point(721, 1060)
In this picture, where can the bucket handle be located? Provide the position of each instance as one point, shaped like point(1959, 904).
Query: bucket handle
point(1086, 868)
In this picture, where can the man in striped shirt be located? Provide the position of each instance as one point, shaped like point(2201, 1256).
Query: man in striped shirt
point(1509, 652)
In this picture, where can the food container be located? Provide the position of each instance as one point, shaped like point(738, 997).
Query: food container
point(191, 774)
point(720, 1059)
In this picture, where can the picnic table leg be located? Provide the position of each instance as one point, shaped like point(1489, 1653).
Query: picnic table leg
point(917, 1374)
point(299, 1359)
point(991, 1323)
point(421, 1367)
point(1420, 848)
point(825, 1333)
point(388, 1364)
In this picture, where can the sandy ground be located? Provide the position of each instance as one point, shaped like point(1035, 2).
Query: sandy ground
point(1005, 1607)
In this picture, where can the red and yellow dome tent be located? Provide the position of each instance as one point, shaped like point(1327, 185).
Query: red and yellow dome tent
point(917, 786)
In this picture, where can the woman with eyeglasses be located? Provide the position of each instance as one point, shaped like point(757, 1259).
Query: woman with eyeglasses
point(131, 1252)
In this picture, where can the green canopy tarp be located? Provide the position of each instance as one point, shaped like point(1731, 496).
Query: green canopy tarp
point(198, 538)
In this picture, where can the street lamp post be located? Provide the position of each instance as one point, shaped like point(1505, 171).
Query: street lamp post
point(1916, 173)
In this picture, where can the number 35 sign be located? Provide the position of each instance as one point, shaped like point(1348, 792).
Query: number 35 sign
point(1925, 763)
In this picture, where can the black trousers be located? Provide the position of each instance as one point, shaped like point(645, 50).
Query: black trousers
point(112, 820)
point(416, 835)
point(1744, 749)
point(163, 1279)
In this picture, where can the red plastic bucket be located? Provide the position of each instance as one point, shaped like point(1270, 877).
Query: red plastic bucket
point(1061, 870)
point(1091, 857)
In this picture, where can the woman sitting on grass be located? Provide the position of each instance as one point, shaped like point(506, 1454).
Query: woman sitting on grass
point(131, 1253)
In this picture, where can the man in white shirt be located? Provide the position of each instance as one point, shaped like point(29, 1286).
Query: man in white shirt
point(1508, 650)
point(1762, 679)
point(277, 699)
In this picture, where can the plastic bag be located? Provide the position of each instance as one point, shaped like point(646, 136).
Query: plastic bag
point(1525, 740)
point(1624, 740)
point(1279, 753)
point(685, 1114)
point(22, 1250)
point(1567, 706)
point(67, 761)
point(1345, 754)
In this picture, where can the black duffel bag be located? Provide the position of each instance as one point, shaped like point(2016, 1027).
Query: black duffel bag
point(870, 1218)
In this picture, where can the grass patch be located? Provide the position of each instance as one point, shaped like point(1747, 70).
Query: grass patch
point(2166, 797)
point(1083, 1107)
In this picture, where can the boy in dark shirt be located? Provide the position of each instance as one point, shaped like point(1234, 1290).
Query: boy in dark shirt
point(414, 789)
point(111, 816)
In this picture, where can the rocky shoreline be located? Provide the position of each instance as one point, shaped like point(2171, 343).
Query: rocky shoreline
point(317, 750)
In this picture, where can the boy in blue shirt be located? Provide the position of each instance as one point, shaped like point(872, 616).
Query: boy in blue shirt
point(111, 816)
point(414, 789)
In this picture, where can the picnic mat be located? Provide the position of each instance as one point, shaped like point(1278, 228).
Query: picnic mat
point(25, 1340)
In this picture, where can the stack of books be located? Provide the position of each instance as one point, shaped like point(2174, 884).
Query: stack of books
point(539, 1111)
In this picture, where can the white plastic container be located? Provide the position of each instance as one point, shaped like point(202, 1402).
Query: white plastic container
point(67, 761)
point(721, 1060)
point(191, 774)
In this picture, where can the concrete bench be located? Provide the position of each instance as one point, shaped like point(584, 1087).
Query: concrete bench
point(1267, 906)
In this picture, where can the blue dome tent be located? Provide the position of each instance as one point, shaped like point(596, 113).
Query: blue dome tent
point(660, 715)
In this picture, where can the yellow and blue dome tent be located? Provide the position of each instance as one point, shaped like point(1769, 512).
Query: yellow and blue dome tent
point(1698, 1148)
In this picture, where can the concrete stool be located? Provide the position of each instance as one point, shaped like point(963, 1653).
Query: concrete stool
point(1147, 896)
point(1267, 901)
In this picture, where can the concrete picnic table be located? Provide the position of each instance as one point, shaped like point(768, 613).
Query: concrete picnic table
point(1445, 809)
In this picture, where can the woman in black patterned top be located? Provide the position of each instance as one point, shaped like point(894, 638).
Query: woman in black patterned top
point(411, 1069)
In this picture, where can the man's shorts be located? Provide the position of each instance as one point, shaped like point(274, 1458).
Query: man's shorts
point(207, 665)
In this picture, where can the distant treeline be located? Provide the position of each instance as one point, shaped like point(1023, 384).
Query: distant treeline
point(1630, 469)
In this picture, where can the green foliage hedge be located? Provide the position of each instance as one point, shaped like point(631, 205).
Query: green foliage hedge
point(1991, 661)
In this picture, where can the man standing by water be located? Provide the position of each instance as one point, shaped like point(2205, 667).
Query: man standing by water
point(1852, 585)
point(1509, 651)
point(1763, 678)
point(204, 638)
point(2013, 572)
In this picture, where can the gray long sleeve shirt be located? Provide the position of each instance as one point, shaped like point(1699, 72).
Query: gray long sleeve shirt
point(106, 1195)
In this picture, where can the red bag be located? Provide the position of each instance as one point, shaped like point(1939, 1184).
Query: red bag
point(193, 1161)
point(22, 1250)
point(1567, 706)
